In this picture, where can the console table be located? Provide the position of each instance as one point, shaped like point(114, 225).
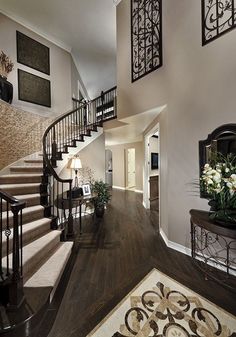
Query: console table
point(62, 202)
point(214, 245)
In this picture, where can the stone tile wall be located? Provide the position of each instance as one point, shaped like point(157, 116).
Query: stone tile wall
point(20, 133)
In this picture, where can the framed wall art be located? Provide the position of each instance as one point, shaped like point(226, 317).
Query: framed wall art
point(218, 17)
point(146, 37)
point(32, 53)
point(34, 89)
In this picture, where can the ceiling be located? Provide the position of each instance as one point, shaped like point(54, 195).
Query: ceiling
point(130, 129)
point(87, 28)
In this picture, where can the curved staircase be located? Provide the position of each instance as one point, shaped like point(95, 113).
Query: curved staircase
point(44, 256)
point(34, 253)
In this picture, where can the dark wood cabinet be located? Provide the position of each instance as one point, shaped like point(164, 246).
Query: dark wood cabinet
point(154, 192)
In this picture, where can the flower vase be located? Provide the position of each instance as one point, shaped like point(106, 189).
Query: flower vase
point(6, 90)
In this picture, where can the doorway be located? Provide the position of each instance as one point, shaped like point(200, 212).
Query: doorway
point(152, 172)
point(108, 167)
point(131, 174)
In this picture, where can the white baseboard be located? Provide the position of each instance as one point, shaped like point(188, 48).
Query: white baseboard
point(126, 189)
point(187, 251)
point(118, 188)
point(174, 245)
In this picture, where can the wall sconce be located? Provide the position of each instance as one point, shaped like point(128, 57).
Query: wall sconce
point(76, 165)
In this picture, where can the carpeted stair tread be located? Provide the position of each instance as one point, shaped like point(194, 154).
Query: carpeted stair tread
point(34, 252)
point(17, 189)
point(28, 214)
point(32, 226)
point(50, 272)
point(33, 161)
point(29, 168)
point(30, 199)
point(21, 178)
point(31, 231)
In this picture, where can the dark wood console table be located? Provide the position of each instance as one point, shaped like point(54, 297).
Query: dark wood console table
point(214, 245)
point(63, 203)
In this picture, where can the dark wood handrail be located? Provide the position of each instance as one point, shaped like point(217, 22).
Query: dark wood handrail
point(12, 200)
point(96, 98)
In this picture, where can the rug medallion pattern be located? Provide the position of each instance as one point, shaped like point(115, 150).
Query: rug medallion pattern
point(166, 309)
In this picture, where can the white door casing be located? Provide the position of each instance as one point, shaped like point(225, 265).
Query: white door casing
point(131, 167)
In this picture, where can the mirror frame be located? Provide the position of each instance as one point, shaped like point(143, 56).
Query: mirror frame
point(226, 128)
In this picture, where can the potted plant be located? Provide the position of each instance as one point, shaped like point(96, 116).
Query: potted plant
point(103, 196)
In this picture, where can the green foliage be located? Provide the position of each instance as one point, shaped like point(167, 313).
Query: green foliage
point(102, 190)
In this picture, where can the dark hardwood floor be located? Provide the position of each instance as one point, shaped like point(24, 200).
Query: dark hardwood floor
point(112, 257)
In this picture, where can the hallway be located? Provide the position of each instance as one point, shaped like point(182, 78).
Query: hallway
point(112, 257)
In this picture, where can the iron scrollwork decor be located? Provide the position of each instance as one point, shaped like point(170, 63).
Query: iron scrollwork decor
point(146, 37)
point(218, 17)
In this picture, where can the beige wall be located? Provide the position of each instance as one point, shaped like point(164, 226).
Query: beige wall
point(144, 90)
point(60, 69)
point(21, 133)
point(93, 157)
point(198, 85)
point(119, 164)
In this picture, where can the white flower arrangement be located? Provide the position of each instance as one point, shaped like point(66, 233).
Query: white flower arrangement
point(218, 181)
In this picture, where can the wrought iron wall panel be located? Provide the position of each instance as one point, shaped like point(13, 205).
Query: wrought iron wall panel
point(218, 17)
point(146, 37)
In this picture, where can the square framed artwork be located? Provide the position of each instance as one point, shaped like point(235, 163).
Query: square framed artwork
point(34, 89)
point(86, 189)
point(32, 53)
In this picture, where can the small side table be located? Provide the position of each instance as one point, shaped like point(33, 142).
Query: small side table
point(63, 203)
point(213, 245)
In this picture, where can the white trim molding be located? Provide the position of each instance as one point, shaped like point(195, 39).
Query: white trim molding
point(116, 2)
point(126, 189)
point(138, 191)
point(36, 30)
point(174, 245)
point(187, 251)
point(119, 188)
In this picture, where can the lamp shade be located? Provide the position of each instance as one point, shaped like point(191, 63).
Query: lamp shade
point(75, 163)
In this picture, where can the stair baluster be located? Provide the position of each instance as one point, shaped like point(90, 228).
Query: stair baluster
point(11, 264)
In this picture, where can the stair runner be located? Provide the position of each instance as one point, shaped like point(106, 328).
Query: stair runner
point(44, 256)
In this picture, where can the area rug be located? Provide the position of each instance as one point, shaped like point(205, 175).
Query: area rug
point(160, 306)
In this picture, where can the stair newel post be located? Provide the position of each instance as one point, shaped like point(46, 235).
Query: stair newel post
point(102, 100)
point(70, 225)
point(85, 118)
point(16, 295)
point(54, 148)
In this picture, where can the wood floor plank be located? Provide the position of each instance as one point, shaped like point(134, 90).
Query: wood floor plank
point(114, 255)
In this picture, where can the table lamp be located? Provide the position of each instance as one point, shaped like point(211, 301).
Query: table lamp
point(75, 165)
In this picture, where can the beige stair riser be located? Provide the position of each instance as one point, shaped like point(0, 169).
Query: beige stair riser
point(29, 202)
point(26, 169)
point(38, 259)
point(21, 179)
point(28, 237)
point(26, 217)
point(17, 190)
